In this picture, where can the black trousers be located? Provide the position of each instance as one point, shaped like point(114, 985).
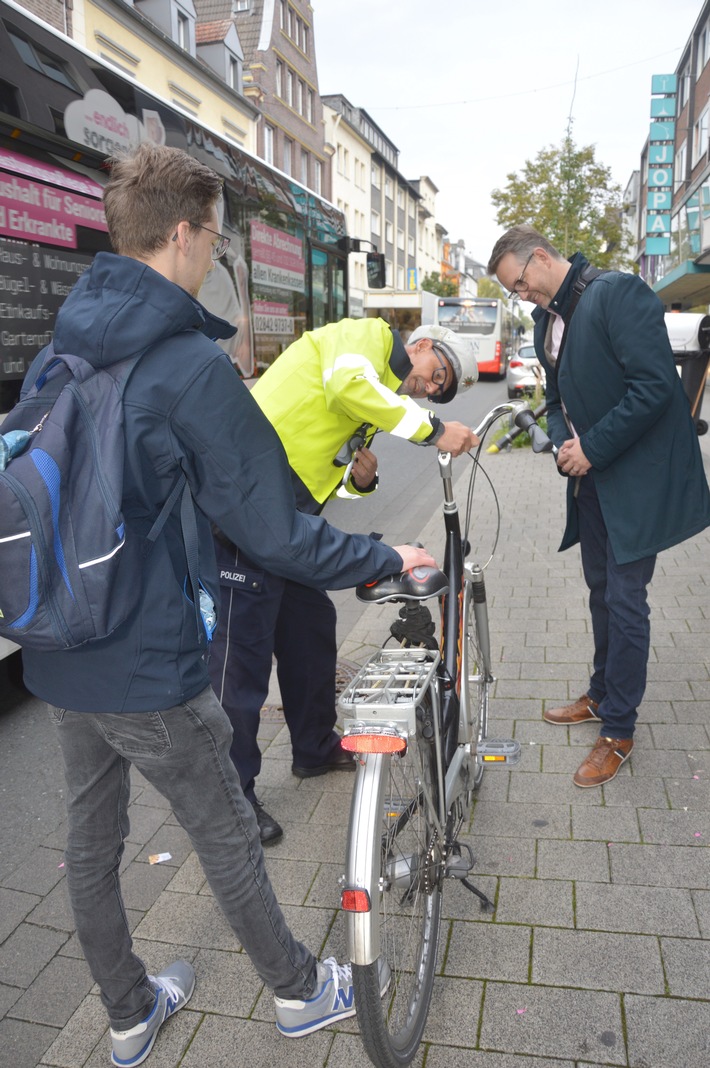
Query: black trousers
point(261, 616)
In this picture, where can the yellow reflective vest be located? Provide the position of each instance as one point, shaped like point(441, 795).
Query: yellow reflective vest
point(325, 385)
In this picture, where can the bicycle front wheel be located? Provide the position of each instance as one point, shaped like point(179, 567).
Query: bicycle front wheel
point(476, 660)
point(407, 908)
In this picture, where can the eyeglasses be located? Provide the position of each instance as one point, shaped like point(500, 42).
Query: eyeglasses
point(521, 284)
point(440, 374)
point(218, 248)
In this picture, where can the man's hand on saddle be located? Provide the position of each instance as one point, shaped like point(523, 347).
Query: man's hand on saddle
point(414, 556)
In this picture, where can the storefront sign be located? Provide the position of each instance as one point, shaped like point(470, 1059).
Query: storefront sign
point(34, 212)
point(276, 258)
point(271, 318)
point(34, 282)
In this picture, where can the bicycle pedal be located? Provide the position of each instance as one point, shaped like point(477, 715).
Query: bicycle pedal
point(497, 751)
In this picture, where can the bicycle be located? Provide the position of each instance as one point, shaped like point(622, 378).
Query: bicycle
point(416, 718)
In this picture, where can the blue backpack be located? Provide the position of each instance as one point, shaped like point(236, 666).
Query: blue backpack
point(68, 573)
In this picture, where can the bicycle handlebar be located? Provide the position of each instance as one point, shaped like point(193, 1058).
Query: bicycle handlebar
point(525, 419)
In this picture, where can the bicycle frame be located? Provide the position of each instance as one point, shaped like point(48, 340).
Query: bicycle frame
point(416, 720)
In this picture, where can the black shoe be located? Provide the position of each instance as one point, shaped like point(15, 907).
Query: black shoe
point(269, 830)
point(339, 760)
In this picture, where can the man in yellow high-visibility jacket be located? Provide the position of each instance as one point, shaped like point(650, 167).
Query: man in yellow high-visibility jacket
point(326, 395)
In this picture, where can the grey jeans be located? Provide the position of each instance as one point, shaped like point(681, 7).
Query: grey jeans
point(184, 753)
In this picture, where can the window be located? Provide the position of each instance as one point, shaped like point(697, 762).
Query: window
point(702, 51)
point(388, 272)
point(410, 245)
point(241, 5)
point(375, 223)
point(183, 31)
point(234, 80)
point(389, 233)
point(44, 62)
point(304, 167)
point(376, 178)
point(700, 136)
point(289, 88)
point(269, 144)
point(400, 197)
point(282, 14)
point(388, 187)
point(317, 176)
point(400, 278)
point(309, 106)
point(279, 78)
point(400, 239)
point(681, 157)
point(683, 87)
point(288, 145)
point(300, 87)
point(304, 39)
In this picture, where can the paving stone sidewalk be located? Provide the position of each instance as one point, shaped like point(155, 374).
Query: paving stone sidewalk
point(598, 951)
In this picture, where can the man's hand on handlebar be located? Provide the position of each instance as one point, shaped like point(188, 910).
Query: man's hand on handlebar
point(364, 467)
point(456, 439)
point(413, 556)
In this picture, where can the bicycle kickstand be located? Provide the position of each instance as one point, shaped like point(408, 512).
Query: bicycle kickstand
point(458, 868)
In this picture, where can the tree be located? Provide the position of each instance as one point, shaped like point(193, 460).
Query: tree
point(487, 287)
point(443, 287)
point(570, 198)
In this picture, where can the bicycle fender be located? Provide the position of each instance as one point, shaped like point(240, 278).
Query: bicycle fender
point(362, 863)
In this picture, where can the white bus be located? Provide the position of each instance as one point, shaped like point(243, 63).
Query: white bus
point(487, 321)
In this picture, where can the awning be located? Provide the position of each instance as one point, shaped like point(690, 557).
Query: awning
point(688, 284)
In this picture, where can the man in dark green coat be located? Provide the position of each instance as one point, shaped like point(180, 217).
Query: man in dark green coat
point(636, 485)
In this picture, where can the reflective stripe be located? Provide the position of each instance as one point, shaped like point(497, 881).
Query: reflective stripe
point(351, 360)
point(409, 424)
point(102, 559)
point(14, 537)
point(413, 418)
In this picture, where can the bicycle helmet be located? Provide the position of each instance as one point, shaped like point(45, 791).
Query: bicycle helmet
point(458, 351)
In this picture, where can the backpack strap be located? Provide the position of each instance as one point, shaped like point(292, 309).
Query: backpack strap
point(585, 278)
point(188, 523)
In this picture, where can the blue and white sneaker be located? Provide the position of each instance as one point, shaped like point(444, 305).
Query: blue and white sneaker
point(174, 989)
point(333, 999)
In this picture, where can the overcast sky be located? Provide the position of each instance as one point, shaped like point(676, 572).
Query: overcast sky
point(468, 90)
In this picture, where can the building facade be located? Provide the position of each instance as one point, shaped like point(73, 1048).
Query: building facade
point(281, 78)
point(673, 206)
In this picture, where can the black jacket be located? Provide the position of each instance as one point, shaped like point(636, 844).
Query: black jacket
point(185, 409)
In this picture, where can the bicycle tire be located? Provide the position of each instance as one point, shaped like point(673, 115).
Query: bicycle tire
point(476, 663)
point(408, 910)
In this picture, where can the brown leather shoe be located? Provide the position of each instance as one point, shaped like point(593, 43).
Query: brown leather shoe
point(603, 762)
point(582, 711)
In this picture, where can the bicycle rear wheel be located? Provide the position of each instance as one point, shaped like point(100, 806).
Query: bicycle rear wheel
point(408, 910)
point(476, 659)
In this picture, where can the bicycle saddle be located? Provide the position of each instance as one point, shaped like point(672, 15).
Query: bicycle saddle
point(417, 584)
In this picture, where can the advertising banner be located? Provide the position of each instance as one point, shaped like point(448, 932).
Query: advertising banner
point(276, 258)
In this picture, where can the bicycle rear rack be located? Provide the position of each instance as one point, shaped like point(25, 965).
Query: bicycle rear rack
point(388, 689)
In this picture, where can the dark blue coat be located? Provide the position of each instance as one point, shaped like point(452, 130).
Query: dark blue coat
point(622, 394)
point(185, 409)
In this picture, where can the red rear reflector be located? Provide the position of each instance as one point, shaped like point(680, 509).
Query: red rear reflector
point(355, 901)
point(516, 363)
point(373, 743)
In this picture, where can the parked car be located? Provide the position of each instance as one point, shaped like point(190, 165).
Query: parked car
point(524, 372)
